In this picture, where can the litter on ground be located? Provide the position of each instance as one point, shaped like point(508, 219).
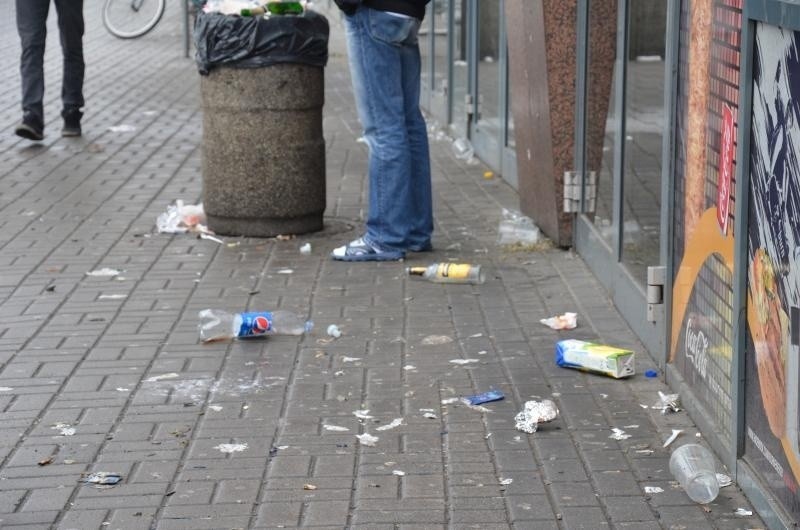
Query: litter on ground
point(565, 321)
point(367, 439)
point(534, 413)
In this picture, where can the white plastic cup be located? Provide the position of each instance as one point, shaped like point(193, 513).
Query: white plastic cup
point(693, 466)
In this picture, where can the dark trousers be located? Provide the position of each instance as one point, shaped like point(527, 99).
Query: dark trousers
point(32, 28)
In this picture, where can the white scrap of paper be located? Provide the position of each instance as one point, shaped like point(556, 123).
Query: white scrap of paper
point(409, 367)
point(105, 271)
point(448, 401)
point(429, 415)
point(203, 235)
point(286, 271)
point(362, 414)
point(122, 128)
point(398, 472)
point(618, 434)
point(334, 331)
point(350, 359)
point(335, 428)
point(432, 340)
point(723, 480)
point(112, 296)
point(305, 249)
point(672, 437)
point(367, 439)
point(463, 361)
point(161, 377)
point(231, 448)
point(653, 489)
point(397, 422)
point(215, 408)
point(741, 512)
point(506, 481)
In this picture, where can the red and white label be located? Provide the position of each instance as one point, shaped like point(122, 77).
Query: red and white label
point(725, 169)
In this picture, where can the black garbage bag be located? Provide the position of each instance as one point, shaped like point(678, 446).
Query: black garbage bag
point(253, 42)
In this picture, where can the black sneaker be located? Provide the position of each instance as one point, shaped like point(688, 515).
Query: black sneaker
point(30, 128)
point(72, 122)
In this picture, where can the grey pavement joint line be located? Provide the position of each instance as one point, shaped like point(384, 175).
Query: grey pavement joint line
point(282, 416)
point(99, 207)
point(121, 415)
point(173, 482)
point(539, 463)
point(67, 378)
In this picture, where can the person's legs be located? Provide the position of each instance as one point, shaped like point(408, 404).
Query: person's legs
point(421, 214)
point(71, 28)
point(375, 47)
point(32, 29)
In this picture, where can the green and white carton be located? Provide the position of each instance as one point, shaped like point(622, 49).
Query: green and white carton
point(597, 358)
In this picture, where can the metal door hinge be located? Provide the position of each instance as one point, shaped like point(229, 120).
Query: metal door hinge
point(468, 104)
point(656, 279)
point(579, 196)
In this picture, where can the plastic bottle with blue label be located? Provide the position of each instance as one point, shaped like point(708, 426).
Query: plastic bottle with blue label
point(216, 324)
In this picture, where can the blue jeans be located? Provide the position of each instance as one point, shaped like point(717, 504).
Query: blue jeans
point(32, 29)
point(385, 66)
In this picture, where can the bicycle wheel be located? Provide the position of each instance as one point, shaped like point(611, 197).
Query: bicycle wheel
point(128, 19)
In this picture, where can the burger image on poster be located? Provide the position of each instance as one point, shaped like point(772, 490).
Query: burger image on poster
point(768, 331)
point(774, 232)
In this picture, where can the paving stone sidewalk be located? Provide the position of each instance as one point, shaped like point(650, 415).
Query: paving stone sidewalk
point(106, 373)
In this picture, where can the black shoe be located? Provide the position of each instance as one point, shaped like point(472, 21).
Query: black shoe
point(30, 128)
point(72, 122)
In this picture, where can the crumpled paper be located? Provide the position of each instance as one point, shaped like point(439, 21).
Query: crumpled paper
point(534, 413)
point(565, 321)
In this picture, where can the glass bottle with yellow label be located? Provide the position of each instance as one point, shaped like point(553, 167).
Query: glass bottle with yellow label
point(448, 273)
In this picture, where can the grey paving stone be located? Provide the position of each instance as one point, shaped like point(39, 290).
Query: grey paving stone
point(628, 509)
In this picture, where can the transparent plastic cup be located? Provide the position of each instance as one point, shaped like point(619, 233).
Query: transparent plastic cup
point(693, 466)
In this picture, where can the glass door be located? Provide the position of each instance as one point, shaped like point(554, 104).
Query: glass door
point(442, 45)
point(487, 126)
point(620, 123)
point(462, 102)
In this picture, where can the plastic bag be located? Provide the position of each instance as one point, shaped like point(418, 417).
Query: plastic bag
point(517, 229)
point(254, 42)
point(180, 218)
point(228, 7)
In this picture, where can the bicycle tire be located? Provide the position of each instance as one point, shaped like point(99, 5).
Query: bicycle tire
point(116, 12)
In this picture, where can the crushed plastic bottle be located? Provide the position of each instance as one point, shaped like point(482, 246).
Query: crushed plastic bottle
point(517, 229)
point(449, 273)
point(216, 324)
point(462, 149)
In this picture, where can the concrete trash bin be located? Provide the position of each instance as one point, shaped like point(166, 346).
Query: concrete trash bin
point(263, 149)
point(262, 87)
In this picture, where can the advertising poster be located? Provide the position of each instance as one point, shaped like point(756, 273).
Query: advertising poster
point(772, 372)
point(701, 341)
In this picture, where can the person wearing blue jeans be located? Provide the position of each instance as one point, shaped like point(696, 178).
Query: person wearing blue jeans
point(385, 66)
point(32, 29)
